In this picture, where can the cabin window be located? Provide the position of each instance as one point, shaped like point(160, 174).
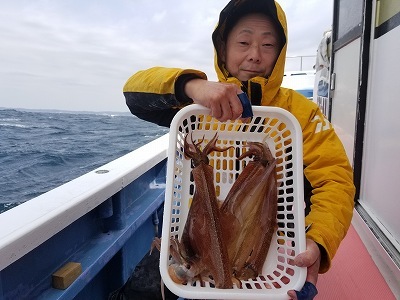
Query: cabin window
point(385, 10)
point(387, 16)
point(350, 17)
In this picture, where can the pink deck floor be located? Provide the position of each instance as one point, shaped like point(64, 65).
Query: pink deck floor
point(353, 275)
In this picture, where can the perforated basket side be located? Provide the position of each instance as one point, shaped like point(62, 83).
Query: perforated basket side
point(280, 130)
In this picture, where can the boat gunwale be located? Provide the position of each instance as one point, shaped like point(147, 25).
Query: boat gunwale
point(28, 225)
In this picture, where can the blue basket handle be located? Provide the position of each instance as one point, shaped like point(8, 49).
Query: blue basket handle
point(247, 110)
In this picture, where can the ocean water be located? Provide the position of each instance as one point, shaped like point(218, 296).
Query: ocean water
point(41, 150)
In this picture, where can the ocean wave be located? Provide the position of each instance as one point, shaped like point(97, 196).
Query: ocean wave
point(10, 119)
point(13, 125)
point(42, 150)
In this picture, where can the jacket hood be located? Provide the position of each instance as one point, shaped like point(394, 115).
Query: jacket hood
point(233, 11)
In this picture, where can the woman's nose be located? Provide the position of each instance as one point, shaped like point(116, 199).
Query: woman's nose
point(254, 54)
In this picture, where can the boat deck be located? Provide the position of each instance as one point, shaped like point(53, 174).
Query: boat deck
point(354, 274)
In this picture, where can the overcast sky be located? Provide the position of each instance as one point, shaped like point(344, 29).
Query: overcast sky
point(77, 55)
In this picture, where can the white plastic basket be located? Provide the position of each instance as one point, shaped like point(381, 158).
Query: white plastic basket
point(281, 131)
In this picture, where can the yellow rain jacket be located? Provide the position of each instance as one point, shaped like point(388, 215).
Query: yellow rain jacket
point(157, 94)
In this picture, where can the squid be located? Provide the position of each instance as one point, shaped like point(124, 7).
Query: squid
point(201, 251)
point(228, 243)
point(248, 213)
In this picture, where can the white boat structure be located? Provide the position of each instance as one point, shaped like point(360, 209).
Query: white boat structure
point(101, 224)
point(301, 81)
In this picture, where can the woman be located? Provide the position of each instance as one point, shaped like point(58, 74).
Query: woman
point(250, 50)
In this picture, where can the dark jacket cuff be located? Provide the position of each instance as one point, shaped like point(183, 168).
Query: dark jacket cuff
point(180, 82)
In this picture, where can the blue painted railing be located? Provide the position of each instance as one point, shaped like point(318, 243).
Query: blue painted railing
point(105, 220)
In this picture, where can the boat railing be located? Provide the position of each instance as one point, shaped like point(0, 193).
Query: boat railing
point(98, 213)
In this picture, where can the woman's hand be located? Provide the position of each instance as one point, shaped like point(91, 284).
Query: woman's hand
point(311, 258)
point(221, 98)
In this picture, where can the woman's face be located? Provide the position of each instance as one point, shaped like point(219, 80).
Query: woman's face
point(252, 47)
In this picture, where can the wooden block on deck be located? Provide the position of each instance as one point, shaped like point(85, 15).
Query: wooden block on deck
point(66, 275)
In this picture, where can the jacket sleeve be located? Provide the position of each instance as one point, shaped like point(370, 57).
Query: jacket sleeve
point(330, 174)
point(156, 94)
